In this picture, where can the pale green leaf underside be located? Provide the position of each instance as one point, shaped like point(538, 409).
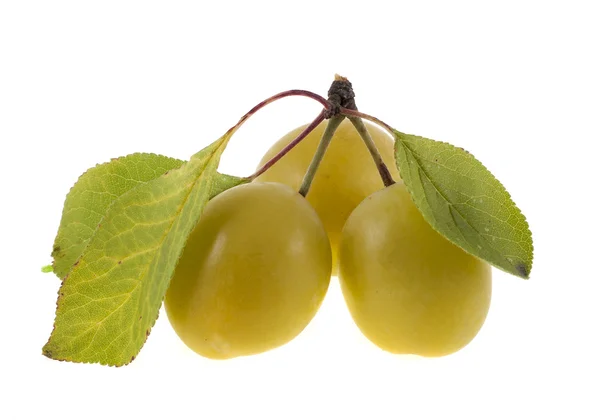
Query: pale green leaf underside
point(92, 195)
point(110, 300)
point(463, 201)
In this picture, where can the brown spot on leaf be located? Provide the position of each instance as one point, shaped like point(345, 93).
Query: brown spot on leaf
point(522, 269)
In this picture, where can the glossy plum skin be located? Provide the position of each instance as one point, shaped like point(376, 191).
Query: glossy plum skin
point(409, 289)
point(346, 176)
point(253, 274)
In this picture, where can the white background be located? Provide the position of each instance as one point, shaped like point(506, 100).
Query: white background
point(515, 83)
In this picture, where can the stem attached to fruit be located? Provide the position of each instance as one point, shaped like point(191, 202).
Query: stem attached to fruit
point(341, 95)
point(333, 124)
point(339, 105)
point(320, 118)
point(384, 172)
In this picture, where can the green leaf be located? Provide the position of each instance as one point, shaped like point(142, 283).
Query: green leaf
point(463, 201)
point(110, 300)
point(91, 196)
point(224, 182)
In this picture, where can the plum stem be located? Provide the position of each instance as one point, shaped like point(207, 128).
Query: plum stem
point(332, 125)
point(384, 172)
point(328, 108)
point(357, 119)
point(339, 105)
point(294, 92)
point(320, 118)
point(355, 113)
point(341, 95)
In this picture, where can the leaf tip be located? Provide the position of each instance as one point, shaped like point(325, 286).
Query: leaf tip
point(48, 269)
point(47, 351)
point(523, 270)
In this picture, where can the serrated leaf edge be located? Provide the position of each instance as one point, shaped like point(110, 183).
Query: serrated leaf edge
point(48, 353)
point(86, 172)
point(525, 274)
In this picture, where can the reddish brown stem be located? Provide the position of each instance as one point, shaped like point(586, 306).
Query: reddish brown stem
point(353, 113)
point(293, 92)
point(320, 118)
